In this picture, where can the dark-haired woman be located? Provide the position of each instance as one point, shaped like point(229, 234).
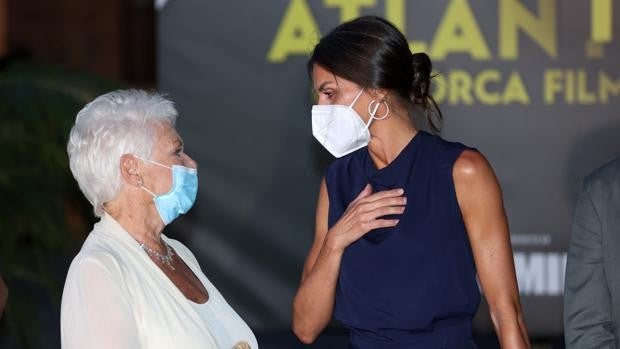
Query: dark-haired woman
point(405, 220)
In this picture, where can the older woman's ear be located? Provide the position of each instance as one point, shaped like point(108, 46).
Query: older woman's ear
point(129, 170)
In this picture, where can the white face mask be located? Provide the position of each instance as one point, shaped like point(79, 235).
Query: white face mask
point(340, 129)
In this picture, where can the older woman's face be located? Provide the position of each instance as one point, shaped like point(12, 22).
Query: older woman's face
point(167, 150)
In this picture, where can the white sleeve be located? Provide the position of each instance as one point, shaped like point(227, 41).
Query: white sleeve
point(95, 311)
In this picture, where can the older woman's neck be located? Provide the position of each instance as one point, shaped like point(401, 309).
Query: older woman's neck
point(142, 223)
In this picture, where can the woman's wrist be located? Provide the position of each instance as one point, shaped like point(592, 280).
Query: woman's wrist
point(333, 244)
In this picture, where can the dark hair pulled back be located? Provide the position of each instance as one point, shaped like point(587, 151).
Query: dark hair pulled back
point(372, 52)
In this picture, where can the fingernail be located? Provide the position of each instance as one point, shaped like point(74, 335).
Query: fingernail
point(404, 200)
point(400, 191)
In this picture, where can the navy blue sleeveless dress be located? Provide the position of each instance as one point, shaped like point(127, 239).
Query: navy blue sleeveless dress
point(413, 285)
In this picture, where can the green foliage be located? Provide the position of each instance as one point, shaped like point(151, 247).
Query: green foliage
point(43, 215)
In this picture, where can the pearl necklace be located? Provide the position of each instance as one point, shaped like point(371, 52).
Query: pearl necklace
point(165, 259)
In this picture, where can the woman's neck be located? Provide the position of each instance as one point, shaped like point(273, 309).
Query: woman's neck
point(389, 137)
point(140, 221)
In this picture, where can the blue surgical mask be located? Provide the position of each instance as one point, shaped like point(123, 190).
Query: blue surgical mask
point(181, 196)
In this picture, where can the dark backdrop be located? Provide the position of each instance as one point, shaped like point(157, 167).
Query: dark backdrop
point(533, 85)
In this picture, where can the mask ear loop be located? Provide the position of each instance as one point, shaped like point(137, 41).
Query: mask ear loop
point(356, 98)
point(140, 183)
point(373, 111)
point(148, 191)
point(153, 162)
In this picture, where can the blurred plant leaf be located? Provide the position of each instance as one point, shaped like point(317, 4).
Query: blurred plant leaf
point(43, 215)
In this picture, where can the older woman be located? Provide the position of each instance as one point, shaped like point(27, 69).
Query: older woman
point(131, 286)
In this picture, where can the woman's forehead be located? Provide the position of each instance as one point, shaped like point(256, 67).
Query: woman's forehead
point(323, 78)
point(167, 136)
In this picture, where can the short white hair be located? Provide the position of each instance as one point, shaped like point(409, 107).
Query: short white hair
point(116, 123)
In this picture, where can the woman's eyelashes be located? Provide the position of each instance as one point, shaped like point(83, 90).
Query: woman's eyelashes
point(328, 95)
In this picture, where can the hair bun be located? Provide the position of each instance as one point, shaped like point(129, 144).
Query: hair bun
point(421, 82)
point(420, 89)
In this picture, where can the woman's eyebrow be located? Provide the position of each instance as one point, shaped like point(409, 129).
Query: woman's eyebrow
point(322, 87)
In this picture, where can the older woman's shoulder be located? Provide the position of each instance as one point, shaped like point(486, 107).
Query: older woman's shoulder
point(96, 255)
point(103, 252)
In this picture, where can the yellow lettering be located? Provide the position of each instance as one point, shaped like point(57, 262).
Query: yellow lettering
point(460, 87)
point(349, 9)
point(584, 96)
point(607, 86)
point(484, 78)
point(601, 20)
point(395, 13)
point(569, 92)
point(542, 30)
point(486, 87)
point(418, 46)
point(459, 32)
point(295, 34)
point(515, 90)
point(553, 85)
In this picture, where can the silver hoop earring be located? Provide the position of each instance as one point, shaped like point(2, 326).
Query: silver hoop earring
point(373, 111)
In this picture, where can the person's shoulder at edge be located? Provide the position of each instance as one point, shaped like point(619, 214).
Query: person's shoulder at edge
point(605, 175)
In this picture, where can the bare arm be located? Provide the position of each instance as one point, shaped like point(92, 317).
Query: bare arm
point(314, 302)
point(480, 199)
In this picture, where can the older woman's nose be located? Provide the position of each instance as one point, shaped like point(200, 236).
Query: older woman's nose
point(189, 162)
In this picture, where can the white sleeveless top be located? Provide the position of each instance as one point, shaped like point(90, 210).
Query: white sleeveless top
point(116, 297)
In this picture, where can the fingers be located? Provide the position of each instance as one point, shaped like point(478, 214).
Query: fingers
point(376, 224)
point(364, 193)
point(371, 220)
point(387, 210)
point(384, 223)
point(363, 228)
point(367, 195)
point(398, 201)
point(363, 214)
point(383, 194)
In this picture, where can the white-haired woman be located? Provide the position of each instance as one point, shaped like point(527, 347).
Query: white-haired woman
point(131, 286)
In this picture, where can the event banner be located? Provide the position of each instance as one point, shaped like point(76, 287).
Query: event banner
point(532, 84)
